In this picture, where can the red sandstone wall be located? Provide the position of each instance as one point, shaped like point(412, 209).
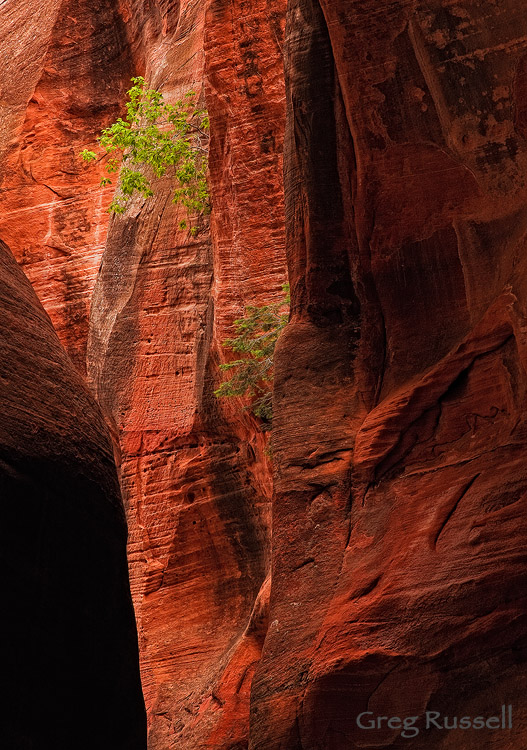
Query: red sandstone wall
point(195, 480)
point(400, 438)
point(53, 213)
point(194, 476)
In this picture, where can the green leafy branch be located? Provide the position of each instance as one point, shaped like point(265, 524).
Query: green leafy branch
point(160, 136)
point(252, 372)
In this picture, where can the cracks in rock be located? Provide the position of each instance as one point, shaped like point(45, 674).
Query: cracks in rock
point(319, 458)
point(368, 588)
point(453, 509)
point(242, 678)
point(65, 250)
point(219, 700)
point(465, 461)
point(309, 561)
point(62, 197)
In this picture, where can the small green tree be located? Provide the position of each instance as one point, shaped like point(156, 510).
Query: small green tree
point(252, 373)
point(159, 136)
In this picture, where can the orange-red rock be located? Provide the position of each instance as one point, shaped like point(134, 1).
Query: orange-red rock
point(70, 658)
point(195, 478)
point(399, 521)
point(196, 481)
point(67, 73)
point(399, 444)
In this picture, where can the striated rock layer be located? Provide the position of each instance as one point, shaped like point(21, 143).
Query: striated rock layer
point(67, 72)
point(399, 521)
point(70, 657)
point(399, 444)
point(142, 308)
point(196, 481)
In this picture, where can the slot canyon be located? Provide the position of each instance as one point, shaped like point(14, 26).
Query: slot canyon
point(181, 573)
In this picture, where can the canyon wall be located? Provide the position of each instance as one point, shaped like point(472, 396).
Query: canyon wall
point(66, 71)
point(142, 309)
point(70, 658)
point(400, 432)
point(193, 470)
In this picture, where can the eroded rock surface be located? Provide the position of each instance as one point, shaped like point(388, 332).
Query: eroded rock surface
point(142, 308)
point(195, 477)
point(70, 657)
point(399, 441)
point(66, 73)
point(400, 437)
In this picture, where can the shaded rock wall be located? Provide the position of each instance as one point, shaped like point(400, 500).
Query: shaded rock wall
point(399, 440)
point(400, 436)
point(70, 657)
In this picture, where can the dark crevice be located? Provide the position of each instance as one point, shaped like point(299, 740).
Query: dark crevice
point(454, 508)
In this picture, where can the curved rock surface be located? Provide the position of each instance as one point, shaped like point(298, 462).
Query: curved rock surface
point(194, 474)
point(70, 656)
point(399, 522)
point(195, 479)
point(399, 438)
point(67, 70)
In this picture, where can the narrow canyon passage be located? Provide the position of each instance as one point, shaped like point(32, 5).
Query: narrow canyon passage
point(366, 556)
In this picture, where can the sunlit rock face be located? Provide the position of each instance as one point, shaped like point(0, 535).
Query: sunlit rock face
point(142, 309)
point(67, 65)
point(400, 435)
point(195, 478)
point(70, 658)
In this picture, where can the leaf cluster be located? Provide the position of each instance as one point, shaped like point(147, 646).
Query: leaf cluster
point(159, 136)
point(252, 372)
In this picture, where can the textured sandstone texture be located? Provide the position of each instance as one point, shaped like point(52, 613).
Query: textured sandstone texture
point(143, 310)
point(399, 519)
point(65, 70)
point(399, 444)
point(70, 658)
point(194, 475)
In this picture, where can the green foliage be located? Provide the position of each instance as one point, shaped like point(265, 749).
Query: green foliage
point(161, 137)
point(88, 155)
point(252, 372)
